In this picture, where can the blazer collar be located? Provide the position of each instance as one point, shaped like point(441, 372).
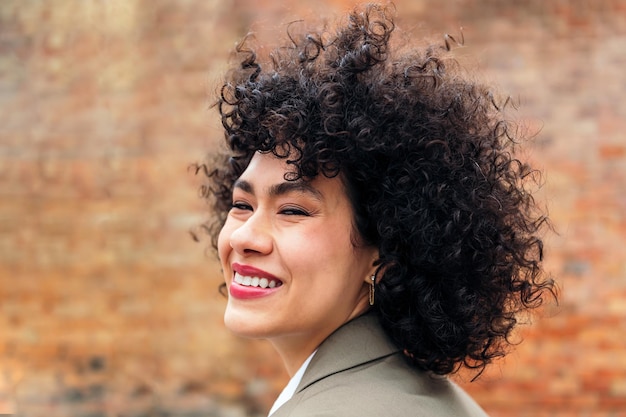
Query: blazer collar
point(357, 342)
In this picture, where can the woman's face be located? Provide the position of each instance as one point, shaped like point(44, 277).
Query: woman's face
point(289, 263)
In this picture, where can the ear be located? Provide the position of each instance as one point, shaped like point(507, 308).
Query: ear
point(375, 268)
point(371, 277)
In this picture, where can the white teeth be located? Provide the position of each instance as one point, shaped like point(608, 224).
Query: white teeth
point(254, 281)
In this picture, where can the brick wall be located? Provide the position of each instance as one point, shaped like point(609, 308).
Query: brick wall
point(109, 308)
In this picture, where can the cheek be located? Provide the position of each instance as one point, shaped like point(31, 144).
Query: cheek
point(329, 249)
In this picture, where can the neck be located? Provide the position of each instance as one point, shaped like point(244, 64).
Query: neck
point(294, 352)
point(294, 349)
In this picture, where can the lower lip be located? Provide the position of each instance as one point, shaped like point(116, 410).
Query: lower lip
point(245, 293)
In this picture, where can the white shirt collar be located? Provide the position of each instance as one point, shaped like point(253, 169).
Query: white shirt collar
point(290, 389)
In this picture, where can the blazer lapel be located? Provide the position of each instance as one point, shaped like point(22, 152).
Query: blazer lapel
point(357, 342)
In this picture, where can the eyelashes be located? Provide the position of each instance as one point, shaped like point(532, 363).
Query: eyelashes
point(287, 210)
point(241, 206)
point(294, 211)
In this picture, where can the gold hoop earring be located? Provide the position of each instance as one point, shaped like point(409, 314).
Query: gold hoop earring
point(372, 290)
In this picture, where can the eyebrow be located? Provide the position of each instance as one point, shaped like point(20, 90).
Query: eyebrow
point(282, 188)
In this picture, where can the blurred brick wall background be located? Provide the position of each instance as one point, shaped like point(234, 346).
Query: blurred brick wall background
point(108, 307)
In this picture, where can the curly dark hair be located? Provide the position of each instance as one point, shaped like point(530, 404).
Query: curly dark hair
point(426, 157)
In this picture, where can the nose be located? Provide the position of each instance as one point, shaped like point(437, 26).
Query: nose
point(253, 236)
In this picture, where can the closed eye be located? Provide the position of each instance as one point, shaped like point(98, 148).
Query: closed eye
point(241, 206)
point(294, 211)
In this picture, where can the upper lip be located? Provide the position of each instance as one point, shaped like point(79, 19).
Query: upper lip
point(251, 271)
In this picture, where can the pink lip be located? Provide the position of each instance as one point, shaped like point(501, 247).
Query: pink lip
point(251, 271)
point(243, 292)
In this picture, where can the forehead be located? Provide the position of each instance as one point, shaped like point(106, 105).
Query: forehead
point(267, 163)
point(268, 173)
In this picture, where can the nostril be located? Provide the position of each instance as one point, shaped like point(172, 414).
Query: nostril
point(248, 250)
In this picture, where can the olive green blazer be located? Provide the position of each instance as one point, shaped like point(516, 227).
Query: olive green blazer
point(358, 372)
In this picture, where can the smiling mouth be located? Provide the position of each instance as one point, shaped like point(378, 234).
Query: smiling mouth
point(248, 281)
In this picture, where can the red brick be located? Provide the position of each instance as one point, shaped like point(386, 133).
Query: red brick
point(103, 107)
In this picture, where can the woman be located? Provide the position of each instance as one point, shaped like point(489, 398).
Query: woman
point(373, 224)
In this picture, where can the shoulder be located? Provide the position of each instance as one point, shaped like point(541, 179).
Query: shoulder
point(387, 386)
point(358, 372)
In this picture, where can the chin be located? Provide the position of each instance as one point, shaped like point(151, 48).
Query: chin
point(243, 325)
